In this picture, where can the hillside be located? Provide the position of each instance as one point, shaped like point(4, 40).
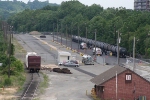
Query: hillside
point(8, 8)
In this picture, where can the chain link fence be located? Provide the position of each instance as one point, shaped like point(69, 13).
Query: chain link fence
point(137, 64)
point(46, 58)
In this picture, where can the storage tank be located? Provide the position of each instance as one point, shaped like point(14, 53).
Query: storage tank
point(33, 61)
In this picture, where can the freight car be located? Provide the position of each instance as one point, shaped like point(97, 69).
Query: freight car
point(33, 62)
point(104, 46)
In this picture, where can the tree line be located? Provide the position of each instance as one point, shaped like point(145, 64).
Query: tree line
point(74, 16)
point(9, 8)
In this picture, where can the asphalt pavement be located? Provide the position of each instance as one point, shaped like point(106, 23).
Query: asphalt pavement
point(76, 86)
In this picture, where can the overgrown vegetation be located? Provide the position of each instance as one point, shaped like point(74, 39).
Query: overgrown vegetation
point(108, 22)
point(44, 84)
point(17, 75)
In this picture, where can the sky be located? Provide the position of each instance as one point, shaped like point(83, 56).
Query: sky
point(128, 4)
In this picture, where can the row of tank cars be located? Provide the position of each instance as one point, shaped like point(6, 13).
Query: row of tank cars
point(105, 47)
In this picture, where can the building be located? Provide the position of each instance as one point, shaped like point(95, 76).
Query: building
point(120, 83)
point(142, 5)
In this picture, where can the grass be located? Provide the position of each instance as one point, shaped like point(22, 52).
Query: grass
point(18, 47)
point(44, 84)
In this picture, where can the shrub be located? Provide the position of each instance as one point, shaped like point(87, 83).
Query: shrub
point(7, 82)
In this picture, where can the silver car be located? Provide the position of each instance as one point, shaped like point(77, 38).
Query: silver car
point(71, 63)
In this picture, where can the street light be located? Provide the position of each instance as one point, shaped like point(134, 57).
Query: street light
point(118, 51)
point(57, 30)
point(95, 44)
point(86, 36)
point(61, 33)
point(71, 36)
point(133, 53)
point(66, 35)
point(53, 32)
point(78, 38)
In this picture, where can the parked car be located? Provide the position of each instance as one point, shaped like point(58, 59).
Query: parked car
point(42, 36)
point(71, 63)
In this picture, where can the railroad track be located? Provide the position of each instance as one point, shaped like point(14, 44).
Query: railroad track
point(31, 88)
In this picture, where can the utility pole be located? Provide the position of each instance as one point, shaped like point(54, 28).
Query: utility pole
point(57, 30)
point(78, 38)
point(66, 35)
point(95, 44)
point(71, 36)
point(61, 33)
point(9, 51)
point(53, 32)
point(118, 51)
point(86, 37)
point(134, 54)
point(115, 34)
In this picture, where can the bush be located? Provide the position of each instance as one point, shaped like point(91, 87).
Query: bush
point(17, 66)
point(7, 82)
point(148, 52)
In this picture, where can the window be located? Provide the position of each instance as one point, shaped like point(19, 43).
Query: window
point(128, 77)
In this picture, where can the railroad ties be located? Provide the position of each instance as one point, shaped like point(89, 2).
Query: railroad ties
point(31, 88)
point(55, 68)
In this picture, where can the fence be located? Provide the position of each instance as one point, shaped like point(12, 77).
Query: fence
point(139, 64)
point(45, 57)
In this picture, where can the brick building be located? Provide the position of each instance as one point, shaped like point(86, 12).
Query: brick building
point(142, 5)
point(119, 83)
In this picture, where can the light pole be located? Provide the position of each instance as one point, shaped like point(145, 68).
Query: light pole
point(86, 36)
point(115, 34)
point(95, 44)
point(118, 51)
point(133, 53)
point(57, 30)
point(66, 35)
point(61, 33)
point(71, 36)
point(78, 38)
point(53, 32)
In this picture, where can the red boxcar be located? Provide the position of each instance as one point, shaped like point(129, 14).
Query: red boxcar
point(33, 62)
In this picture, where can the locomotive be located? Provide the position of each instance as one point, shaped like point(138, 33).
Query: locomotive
point(104, 46)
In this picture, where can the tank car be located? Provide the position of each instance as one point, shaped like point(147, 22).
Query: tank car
point(104, 46)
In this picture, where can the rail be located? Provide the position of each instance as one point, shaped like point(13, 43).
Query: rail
point(31, 88)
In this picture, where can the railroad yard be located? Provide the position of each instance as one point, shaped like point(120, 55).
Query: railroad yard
point(73, 86)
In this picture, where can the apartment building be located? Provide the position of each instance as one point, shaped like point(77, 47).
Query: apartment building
point(142, 5)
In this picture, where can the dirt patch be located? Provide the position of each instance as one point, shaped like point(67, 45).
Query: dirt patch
point(8, 93)
point(35, 33)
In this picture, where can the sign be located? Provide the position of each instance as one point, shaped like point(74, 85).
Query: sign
point(128, 77)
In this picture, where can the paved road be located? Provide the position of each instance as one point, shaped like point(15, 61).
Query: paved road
point(62, 86)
